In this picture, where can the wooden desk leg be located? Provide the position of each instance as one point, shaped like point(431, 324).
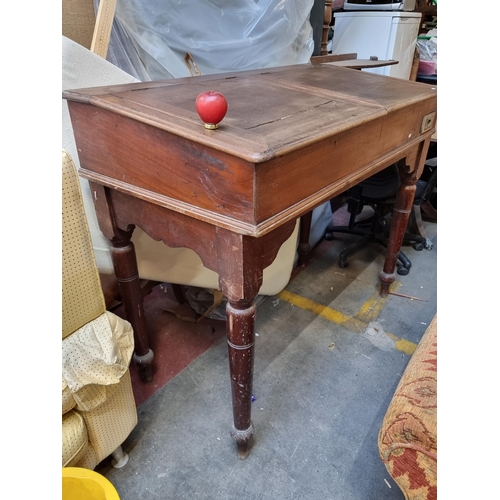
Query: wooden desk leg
point(127, 275)
point(240, 265)
point(400, 217)
point(305, 231)
point(415, 223)
point(429, 211)
point(241, 340)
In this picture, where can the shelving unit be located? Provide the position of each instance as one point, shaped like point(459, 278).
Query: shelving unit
point(428, 8)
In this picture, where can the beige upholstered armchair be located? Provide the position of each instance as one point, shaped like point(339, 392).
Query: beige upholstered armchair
point(98, 406)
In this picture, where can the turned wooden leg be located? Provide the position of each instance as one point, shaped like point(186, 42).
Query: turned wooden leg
point(178, 293)
point(240, 340)
point(429, 211)
point(127, 276)
point(240, 277)
point(305, 231)
point(241, 261)
point(399, 223)
point(415, 223)
point(125, 265)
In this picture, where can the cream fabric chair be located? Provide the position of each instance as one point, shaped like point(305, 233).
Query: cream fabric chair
point(98, 406)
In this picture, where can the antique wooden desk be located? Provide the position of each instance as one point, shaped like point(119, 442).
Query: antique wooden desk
point(293, 138)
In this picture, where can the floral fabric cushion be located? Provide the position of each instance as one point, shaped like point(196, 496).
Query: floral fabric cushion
point(408, 435)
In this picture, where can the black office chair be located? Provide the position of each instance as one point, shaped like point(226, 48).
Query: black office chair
point(379, 192)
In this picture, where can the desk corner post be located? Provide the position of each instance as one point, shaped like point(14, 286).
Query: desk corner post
point(305, 231)
point(240, 277)
point(241, 346)
point(408, 174)
point(127, 275)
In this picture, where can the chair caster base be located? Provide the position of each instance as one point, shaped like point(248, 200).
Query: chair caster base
point(403, 271)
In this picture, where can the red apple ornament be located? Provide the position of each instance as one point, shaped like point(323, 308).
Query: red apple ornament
point(212, 108)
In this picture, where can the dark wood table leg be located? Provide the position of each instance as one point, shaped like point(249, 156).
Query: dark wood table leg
point(127, 276)
point(415, 223)
point(241, 261)
point(429, 211)
point(178, 293)
point(400, 217)
point(305, 227)
point(305, 230)
point(240, 277)
point(241, 341)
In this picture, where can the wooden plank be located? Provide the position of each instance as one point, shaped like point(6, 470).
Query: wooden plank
point(363, 63)
point(103, 26)
point(333, 58)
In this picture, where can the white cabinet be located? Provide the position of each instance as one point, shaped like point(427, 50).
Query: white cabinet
point(386, 35)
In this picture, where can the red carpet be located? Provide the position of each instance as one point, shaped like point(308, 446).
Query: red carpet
point(175, 342)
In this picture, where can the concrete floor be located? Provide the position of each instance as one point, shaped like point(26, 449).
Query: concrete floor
point(323, 381)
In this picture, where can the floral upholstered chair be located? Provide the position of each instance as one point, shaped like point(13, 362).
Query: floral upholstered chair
point(408, 436)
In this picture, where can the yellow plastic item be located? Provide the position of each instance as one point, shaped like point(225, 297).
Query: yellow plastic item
point(85, 484)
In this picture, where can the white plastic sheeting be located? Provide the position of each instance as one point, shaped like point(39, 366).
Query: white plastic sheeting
point(151, 38)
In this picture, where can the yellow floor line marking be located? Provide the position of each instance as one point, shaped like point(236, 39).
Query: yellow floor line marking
point(355, 324)
point(372, 308)
point(403, 345)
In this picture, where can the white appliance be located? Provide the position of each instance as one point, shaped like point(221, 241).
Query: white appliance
point(387, 35)
point(379, 4)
